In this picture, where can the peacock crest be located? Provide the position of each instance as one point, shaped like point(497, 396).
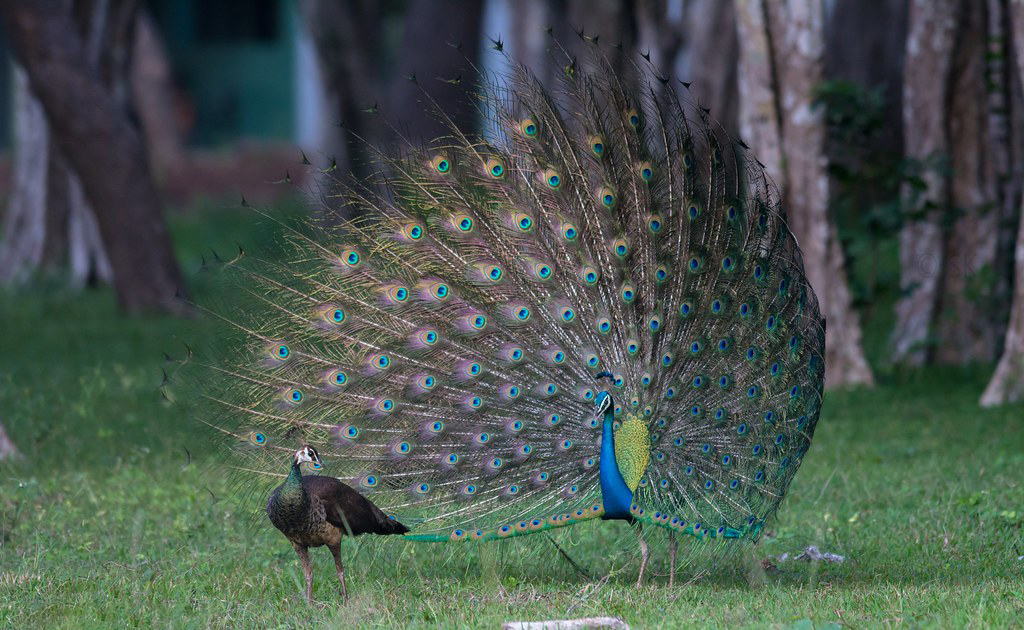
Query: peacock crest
point(442, 350)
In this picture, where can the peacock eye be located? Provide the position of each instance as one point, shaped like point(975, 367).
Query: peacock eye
point(494, 168)
point(529, 127)
point(441, 164)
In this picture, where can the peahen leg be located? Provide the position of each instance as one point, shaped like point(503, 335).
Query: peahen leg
point(307, 568)
point(672, 544)
point(645, 554)
point(336, 552)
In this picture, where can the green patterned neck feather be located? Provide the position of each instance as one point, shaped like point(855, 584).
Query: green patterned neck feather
point(632, 450)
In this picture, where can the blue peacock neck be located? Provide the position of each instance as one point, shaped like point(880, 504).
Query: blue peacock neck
point(615, 494)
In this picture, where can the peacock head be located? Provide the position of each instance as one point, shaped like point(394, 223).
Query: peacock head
point(603, 402)
point(307, 454)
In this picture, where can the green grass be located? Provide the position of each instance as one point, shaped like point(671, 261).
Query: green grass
point(107, 524)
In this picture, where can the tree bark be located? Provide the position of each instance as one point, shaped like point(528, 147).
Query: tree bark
point(25, 223)
point(348, 40)
point(783, 49)
point(102, 146)
point(8, 450)
point(709, 58)
point(453, 37)
point(759, 122)
point(968, 324)
point(926, 79)
point(1007, 383)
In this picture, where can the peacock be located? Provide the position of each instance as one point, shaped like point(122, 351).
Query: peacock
point(593, 309)
point(317, 510)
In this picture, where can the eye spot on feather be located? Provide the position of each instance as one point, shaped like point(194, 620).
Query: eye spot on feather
point(654, 323)
point(293, 397)
point(603, 325)
point(606, 197)
point(551, 178)
point(441, 164)
point(336, 378)
point(523, 222)
point(628, 293)
point(462, 223)
point(654, 223)
point(589, 275)
point(542, 271)
point(633, 116)
point(258, 438)
point(280, 353)
point(350, 259)
point(632, 347)
point(411, 232)
point(596, 145)
point(494, 168)
point(646, 171)
point(528, 127)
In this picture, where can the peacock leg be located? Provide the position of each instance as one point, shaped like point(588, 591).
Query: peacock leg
point(307, 568)
point(645, 554)
point(672, 544)
point(336, 551)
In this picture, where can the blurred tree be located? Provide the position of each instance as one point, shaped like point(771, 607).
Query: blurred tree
point(956, 243)
point(350, 42)
point(782, 54)
point(931, 35)
point(75, 58)
point(7, 448)
point(709, 57)
point(367, 51)
point(1007, 383)
point(445, 75)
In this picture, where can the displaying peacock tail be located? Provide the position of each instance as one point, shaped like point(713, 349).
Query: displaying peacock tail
point(593, 310)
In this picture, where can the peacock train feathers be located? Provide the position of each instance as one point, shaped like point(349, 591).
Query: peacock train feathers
point(595, 309)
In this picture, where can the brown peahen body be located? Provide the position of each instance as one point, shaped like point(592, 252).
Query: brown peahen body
point(312, 511)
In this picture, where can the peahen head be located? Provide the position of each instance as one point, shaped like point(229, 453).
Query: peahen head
point(307, 454)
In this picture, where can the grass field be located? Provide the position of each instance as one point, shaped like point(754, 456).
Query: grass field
point(109, 523)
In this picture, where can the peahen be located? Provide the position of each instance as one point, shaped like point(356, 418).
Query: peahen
point(595, 309)
point(317, 510)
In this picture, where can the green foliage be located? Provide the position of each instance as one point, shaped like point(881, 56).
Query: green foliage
point(110, 523)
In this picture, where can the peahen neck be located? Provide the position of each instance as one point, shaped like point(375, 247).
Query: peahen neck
point(291, 490)
point(615, 494)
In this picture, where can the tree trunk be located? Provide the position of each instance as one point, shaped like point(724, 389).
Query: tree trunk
point(348, 37)
point(453, 37)
point(152, 91)
point(709, 58)
point(25, 222)
point(968, 326)
point(100, 144)
point(1007, 383)
point(7, 448)
point(759, 123)
point(790, 56)
point(926, 80)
